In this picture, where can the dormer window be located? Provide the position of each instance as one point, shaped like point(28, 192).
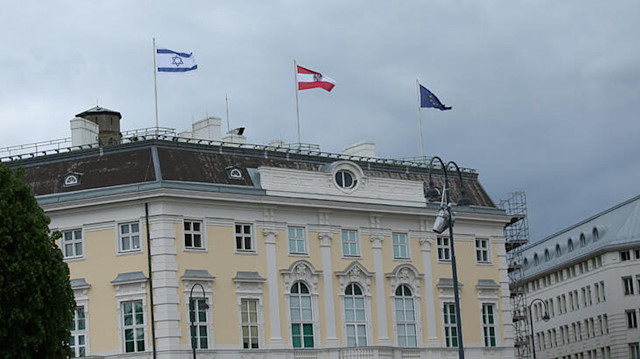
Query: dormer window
point(345, 179)
point(234, 173)
point(71, 179)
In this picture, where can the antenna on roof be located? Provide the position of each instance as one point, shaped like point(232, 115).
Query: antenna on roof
point(226, 99)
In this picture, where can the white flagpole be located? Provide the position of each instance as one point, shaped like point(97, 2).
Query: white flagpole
point(420, 121)
point(226, 99)
point(295, 73)
point(155, 83)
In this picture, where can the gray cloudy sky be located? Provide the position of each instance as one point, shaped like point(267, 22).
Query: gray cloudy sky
point(544, 93)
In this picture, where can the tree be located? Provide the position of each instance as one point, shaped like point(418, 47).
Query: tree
point(36, 299)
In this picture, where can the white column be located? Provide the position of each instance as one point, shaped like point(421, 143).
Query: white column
point(165, 286)
point(329, 307)
point(429, 298)
point(272, 284)
point(381, 298)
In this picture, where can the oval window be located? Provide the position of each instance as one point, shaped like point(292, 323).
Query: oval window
point(345, 179)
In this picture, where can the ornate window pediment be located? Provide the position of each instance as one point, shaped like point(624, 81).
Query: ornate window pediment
point(355, 273)
point(301, 270)
point(406, 274)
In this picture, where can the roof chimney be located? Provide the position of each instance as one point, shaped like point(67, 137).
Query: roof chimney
point(207, 129)
point(83, 132)
point(108, 122)
point(362, 149)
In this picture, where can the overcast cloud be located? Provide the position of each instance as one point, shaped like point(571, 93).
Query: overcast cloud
point(544, 93)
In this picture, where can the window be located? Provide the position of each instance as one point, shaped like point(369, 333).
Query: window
point(345, 179)
point(570, 245)
point(354, 316)
point(244, 239)
point(249, 312)
point(488, 325)
point(482, 250)
point(625, 256)
point(547, 255)
point(627, 285)
point(632, 320)
point(78, 340)
point(193, 235)
point(444, 249)
point(400, 246)
point(129, 237)
point(72, 243)
point(634, 350)
point(583, 240)
point(637, 251)
point(536, 259)
point(297, 241)
point(301, 316)
point(558, 250)
point(405, 317)
point(350, 243)
point(595, 234)
point(198, 316)
point(133, 326)
point(450, 328)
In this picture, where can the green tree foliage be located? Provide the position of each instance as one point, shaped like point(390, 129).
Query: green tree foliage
point(36, 299)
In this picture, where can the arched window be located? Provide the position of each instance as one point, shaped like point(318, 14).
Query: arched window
point(583, 240)
point(558, 250)
point(526, 263)
point(595, 233)
point(301, 316)
point(547, 255)
point(536, 259)
point(405, 317)
point(355, 320)
point(570, 245)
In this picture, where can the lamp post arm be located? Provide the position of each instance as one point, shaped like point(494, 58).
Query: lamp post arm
point(546, 310)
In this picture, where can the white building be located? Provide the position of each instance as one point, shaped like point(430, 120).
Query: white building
point(587, 278)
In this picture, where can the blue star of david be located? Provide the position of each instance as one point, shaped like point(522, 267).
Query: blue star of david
point(177, 60)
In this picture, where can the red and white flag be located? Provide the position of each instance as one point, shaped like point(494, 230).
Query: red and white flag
point(308, 79)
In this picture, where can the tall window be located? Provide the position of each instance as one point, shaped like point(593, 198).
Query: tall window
point(193, 235)
point(129, 237)
point(78, 340)
point(632, 320)
point(301, 316)
point(72, 243)
point(198, 316)
point(634, 350)
point(400, 246)
point(297, 241)
point(133, 326)
point(482, 250)
point(405, 317)
point(450, 329)
point(249, 312)
point(350, 243)
point(489, 325)
point(627, 285)
point(570, 245)
point(444, 248)
point(244, 238)
point(354, 316)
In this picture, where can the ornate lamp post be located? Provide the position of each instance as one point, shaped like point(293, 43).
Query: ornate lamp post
point(192, 307)
point(443, 221)
point(545, 317)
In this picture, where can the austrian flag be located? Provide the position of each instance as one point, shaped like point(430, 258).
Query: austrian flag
point(308, 79)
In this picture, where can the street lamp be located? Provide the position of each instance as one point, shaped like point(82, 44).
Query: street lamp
point(545, 317)
point(443, 221)
point(193, 308)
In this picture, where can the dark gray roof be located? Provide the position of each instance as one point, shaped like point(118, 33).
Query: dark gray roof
point(248, 277)
point(97, 110)
point(129, 277)
point(197, 274)
point(79, 283)
point(487, 284)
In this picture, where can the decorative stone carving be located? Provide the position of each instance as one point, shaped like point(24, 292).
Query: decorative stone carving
point(301, 271)
point(405, 274)
point(355, 273)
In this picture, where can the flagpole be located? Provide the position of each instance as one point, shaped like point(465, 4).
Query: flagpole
point(226, 99)
point(155, 83)
point(420, 122)
point(295, 74)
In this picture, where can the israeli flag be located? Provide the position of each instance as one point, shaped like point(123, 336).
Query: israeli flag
point(173, 61)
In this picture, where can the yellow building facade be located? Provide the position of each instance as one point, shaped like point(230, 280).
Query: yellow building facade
point(263, 252)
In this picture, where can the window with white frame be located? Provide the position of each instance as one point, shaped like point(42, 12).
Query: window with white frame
point(78, 340)
point(72, 243)
point(634, 350)
point(198, 327)
point(301, 316)
point(193, 235)
point(405, 317)
point(450, 328)
point(244, 237)
point(400, 246)
point(482, 250)
point(297, 240)
point(632, 320)
point(350, 247)
point(129, 237)
point(489, 324)
point(444, 248)
point(354, 313)
point(249, 314)
point(627, 285)
point(133, 326)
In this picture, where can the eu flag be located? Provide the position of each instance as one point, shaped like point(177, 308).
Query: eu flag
point(428, 99)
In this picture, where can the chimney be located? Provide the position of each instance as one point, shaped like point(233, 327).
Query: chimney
point(207, 129)
point(83, 132)
point(108, 122)
point(362, 149)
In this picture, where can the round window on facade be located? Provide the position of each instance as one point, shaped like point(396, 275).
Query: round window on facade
point(345, 179)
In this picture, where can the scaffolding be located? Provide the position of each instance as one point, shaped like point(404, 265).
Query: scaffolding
point(517, 234)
